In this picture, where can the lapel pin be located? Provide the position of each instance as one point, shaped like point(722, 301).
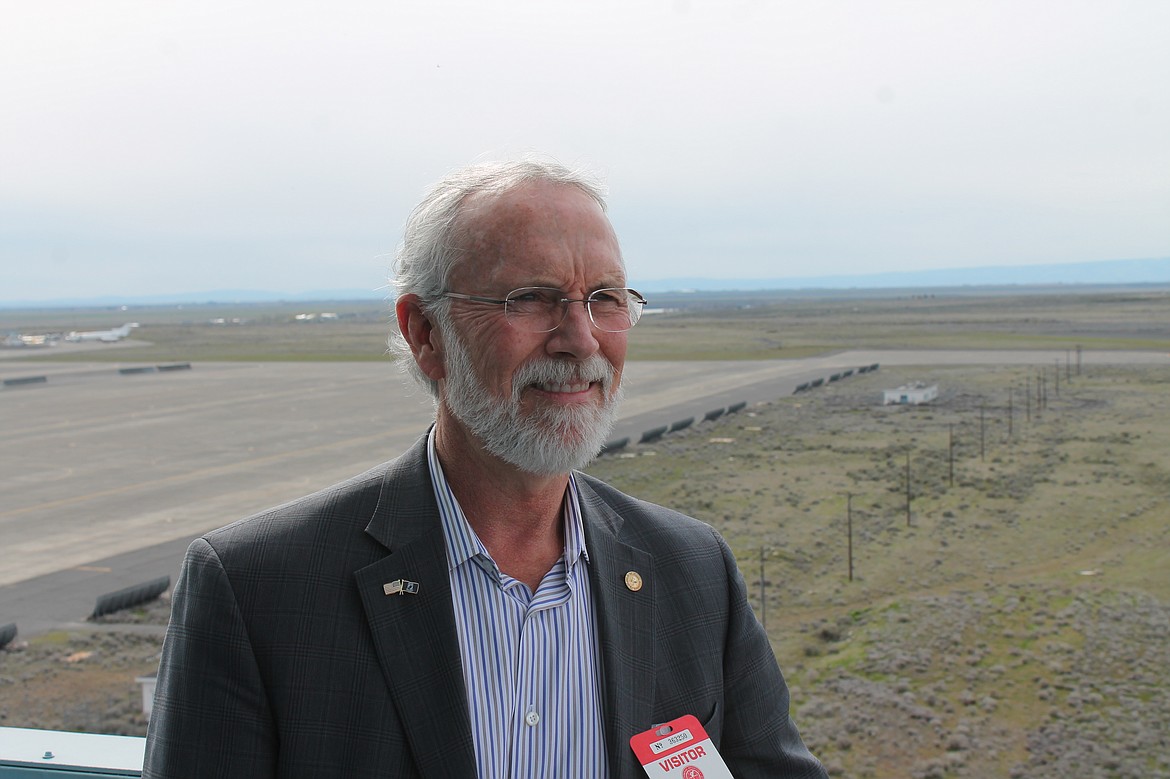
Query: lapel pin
point(400, 587)
point(633, 581)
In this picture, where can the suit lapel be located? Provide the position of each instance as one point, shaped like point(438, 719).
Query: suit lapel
point(625, 618)
point(414, 634)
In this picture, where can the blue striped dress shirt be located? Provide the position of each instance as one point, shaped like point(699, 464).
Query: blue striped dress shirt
point(529, 659)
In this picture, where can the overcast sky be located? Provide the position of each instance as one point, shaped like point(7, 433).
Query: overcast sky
point(161, 147)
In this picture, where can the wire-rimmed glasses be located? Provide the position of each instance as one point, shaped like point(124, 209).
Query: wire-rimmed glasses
point(542, 309)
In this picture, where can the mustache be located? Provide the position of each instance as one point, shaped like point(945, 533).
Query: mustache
point(550, 371)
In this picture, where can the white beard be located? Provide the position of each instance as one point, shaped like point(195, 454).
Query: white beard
point(548, 441)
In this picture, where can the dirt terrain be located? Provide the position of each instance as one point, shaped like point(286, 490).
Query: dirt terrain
point(1012, 622)
point(1015, 623)
point(84, 680)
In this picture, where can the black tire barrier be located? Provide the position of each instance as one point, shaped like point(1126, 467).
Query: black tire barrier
point(874, 367)
point(652, 435)
point(130, 596)
point(847, 374)
point(834, 377)
point(863, 369)
point(800, 388)
point(179, 366)
point(682, 424)
point(613, 446)
point(737, 407)
point(26, 380)
point(713, 414)
point(7, 633)
point(133, 371)
point(816, 383)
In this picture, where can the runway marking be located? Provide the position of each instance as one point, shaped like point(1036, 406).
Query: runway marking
point(114, 420)
point(194, 475)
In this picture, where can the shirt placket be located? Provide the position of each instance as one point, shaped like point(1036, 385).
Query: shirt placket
point(538, 669)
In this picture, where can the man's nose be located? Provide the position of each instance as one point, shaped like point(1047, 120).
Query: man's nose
point(576, 335)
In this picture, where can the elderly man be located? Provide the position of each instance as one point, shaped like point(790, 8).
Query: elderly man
point(476, 607)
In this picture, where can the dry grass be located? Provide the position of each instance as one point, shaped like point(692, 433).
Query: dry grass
point(697, 327)
point(969, 643)
point(78, 681)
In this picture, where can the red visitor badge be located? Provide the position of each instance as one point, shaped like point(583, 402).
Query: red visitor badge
point(679, 749)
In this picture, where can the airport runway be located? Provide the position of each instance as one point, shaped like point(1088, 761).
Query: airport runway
point(105, 477)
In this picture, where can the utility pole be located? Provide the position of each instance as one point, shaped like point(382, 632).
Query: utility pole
point(982, 434)
point(951, 451)
point(849, 516)
point(763, 595)
point(1011, 392)
point(907, 488)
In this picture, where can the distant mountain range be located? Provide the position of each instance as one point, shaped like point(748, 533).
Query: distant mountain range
point(1108, 272)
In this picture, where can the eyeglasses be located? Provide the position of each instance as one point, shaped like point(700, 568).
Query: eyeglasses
point(542, 309)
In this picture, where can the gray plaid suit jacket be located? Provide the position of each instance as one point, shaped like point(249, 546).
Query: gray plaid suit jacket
point(285, 658)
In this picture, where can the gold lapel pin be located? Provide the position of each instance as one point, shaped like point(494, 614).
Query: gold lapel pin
point(633, 581)
point(400, 587)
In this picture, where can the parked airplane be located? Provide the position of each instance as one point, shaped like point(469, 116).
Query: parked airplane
point(108, 336)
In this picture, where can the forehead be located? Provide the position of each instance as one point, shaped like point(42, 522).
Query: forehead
point(538, 233)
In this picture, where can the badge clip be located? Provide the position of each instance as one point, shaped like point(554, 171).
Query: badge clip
point(679, 749)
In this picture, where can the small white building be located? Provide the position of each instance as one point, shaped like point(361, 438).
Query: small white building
point(147, 684)
point(911, 394)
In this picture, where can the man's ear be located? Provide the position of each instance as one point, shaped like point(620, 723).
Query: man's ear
point(425, 342)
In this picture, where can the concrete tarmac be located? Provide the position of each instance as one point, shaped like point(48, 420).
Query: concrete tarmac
point(105, 477)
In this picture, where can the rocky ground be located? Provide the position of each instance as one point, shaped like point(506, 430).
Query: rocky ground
point(1013, 623)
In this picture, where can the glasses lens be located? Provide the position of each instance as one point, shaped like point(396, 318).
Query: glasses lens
point(542, 309)
point(534, 309)
point(615, 310)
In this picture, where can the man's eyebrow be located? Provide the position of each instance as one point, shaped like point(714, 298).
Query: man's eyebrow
point(608, 284)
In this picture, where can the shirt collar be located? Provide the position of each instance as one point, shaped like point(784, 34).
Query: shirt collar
point(461, 540)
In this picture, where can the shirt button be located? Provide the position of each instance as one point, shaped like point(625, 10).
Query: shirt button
point(532, 718)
